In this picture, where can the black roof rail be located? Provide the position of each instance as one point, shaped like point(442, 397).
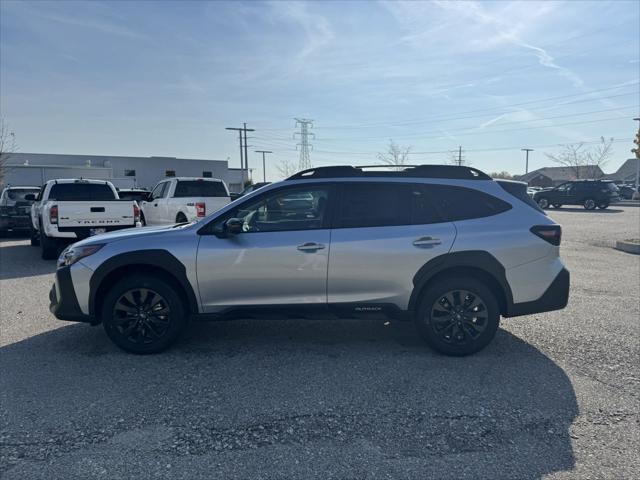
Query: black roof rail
point(417, 171)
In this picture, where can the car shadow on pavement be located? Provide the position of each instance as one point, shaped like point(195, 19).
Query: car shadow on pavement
point(583, 210)
point(25, 261)
point(286, 399)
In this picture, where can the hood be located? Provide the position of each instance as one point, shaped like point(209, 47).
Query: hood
point(127, 233)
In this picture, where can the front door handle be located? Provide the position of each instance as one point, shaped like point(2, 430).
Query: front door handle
point(310, 247)
point(426, 242)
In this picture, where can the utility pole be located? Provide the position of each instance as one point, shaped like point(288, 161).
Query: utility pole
point(244, 164)
point(305, 158)
point(637, 152)
point(460, 156)
point(526, 167)
point(264, 171)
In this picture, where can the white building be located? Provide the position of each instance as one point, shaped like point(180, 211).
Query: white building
point(37, 168)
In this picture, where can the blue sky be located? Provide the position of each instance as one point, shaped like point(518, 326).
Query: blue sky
point(164, 78)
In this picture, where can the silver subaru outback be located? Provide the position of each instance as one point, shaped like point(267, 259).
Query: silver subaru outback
point(444, 246)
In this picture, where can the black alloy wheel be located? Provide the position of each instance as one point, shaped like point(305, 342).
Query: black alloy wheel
point(141, 315)
point(459, 317)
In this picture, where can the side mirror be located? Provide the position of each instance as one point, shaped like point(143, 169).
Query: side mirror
point(30, 197)
point(233, 226)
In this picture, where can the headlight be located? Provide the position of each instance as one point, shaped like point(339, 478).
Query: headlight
point(72, 254)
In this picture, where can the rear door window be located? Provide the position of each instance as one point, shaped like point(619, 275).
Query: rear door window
point(199, 188)
point(79, 192)
point(384, 204)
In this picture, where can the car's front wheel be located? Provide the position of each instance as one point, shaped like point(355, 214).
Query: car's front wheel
point(543, 202)
point(143, 314)
point(458, 316)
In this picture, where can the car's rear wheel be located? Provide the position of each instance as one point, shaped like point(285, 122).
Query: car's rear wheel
point(181, 218)
point(603, 205)
point(543, 202)
point(33, 236)
point(142, 220)
point(48, 246)
point(143, 314)
point(589, 204)
point(458, 316)
point(557, 205)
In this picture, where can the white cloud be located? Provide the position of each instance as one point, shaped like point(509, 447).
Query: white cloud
point(317, 29)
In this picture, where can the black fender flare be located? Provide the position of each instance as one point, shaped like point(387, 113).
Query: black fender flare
point(477, 259)
point(156, 258)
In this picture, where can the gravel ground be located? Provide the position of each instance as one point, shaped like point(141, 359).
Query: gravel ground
point(554, 396)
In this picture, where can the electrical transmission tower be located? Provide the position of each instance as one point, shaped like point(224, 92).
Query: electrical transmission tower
point(305, 159)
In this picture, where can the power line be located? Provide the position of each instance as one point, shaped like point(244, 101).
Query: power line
point(305, 158)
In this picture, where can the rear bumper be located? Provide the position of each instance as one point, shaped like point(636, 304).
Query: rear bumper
point(63, 301)
point(555, 297)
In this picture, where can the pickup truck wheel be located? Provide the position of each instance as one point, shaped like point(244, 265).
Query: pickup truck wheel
point(143, 314)
point(48, 246)
point(181, 218)
point(589, 204)
point(142, 220)
point(543, 202)
point(458, 316)
point(33, 236)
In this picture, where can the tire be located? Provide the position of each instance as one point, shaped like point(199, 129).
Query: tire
point(33, 236)
point(603, 206)
point(435, 328)
point(543, 202)
point(48, 246)
point(181, 218)
point(557, 205)
point(144, 332)
point(142, 220)
point(589, 204)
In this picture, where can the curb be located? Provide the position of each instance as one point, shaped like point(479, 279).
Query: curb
point(628, 246)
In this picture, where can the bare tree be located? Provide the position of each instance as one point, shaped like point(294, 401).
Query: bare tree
point(584, 162)
point(395, 154)
point(286, 168)
point(7, 147)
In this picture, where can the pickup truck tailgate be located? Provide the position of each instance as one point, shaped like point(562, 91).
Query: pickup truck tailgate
point(95, 214)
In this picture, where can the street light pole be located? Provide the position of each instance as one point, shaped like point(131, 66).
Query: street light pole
point(527, 150)
point(637, 152)
point(264, 171)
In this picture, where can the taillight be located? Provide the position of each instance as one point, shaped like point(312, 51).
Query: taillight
point(201, 209)
point(136, 213)
point(549, 233)
point(53, 215)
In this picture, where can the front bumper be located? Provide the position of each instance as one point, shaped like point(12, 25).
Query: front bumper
point(555, 297)
point(14, 222)
point(63, 301)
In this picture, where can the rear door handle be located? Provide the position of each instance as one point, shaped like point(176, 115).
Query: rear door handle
point(426, 242)
point(310, 247)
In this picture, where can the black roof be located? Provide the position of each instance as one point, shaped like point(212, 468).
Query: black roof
point(416, 171)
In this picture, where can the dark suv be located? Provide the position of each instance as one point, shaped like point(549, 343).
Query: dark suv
point(588, 193)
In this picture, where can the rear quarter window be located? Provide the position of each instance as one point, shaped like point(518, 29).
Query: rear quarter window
point(197, 188)
point(460, 203)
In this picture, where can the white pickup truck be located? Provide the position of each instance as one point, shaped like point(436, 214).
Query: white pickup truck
point(73, 209)
point(184, 199)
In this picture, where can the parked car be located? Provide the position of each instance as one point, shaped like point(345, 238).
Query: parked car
point(588, 193)
point(446, 246)
point(71, 209)
point(184, 199)
point(531, 191)
point(15, 208)
point(249, 189)
point(138, 194)
point(626, 191)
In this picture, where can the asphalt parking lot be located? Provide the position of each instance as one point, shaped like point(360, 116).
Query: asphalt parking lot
point(555, 396)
